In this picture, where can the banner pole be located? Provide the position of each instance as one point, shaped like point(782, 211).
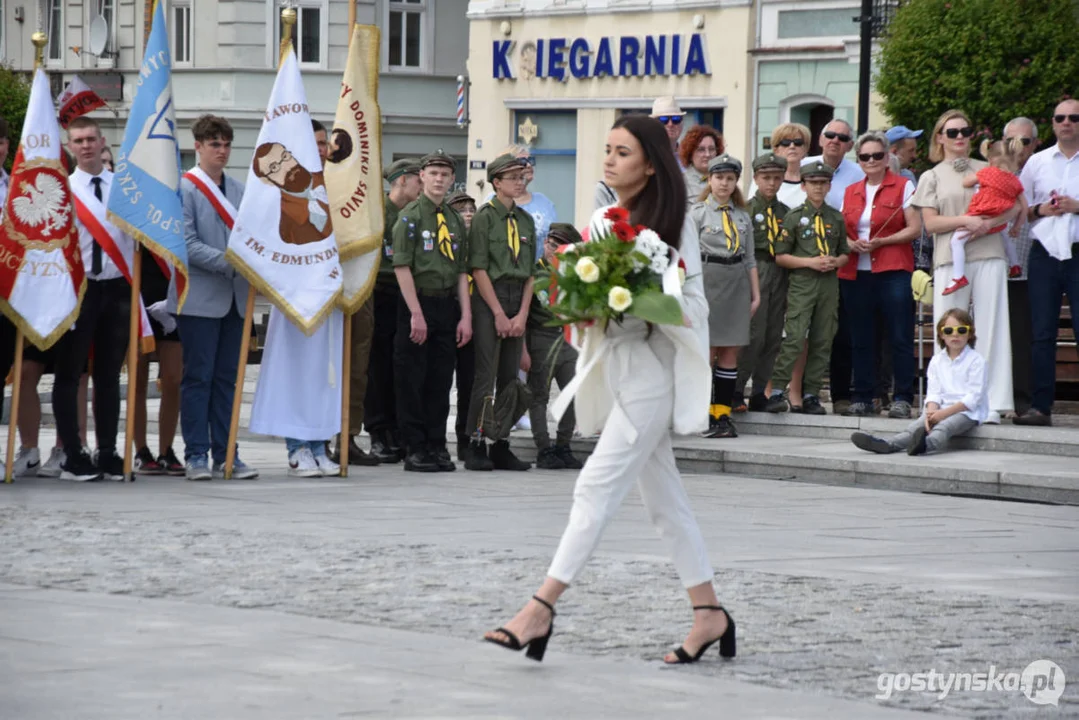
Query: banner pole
point(238, 393)
point(13, 417)
point(351, 17)
point(345, 438)
point(133, 340)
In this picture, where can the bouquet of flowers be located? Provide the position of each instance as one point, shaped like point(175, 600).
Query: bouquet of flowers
point(619, 271)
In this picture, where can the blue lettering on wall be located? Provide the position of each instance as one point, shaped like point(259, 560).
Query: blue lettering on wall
point(604, 63)
point(556, 58)
point(579, 58)
point(662, 56)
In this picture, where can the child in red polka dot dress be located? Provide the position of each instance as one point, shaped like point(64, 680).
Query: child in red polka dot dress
point(999, 193)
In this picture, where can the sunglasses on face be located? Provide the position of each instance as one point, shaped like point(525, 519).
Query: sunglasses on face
point(1024, 140)
point(672, 119)
point(952, 329)
point(953, 133)
point(843, 137)
point(797, 142)
point(866, 157)
point(1073, 118)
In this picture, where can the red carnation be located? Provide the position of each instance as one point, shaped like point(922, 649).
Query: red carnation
point(681, 263)
point(624, 231)
point(640, 228)
point(616, 214)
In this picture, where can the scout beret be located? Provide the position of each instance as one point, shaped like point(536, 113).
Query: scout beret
point(566, 232)
point(503, 163)
point(725, 163)
point(405, 166)
point(438, 157)
point(459, 197)
point(769, 161)
point(817, 169)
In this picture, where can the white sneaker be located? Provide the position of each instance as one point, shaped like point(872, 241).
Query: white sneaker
point(326, 466)
point(27, 462)
point(302, 464)
point(53, 466)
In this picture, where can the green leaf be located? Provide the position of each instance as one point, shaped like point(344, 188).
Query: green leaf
point(655, 307)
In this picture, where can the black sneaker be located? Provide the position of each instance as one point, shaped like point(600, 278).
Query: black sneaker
point(442, 459)
point(79, 468)
point(777, 404)
point(870, 443)
point(420, 461)
point(356, 456)
point(477, 457)
point(111, 466)
point(724, 428)
point(811, 406)
point(917, 441)
point(758, 403)
point(547, 459)
point(146, 464)
point(565, 454)
point(172, 464)
point(859, 409)
point(504, 459)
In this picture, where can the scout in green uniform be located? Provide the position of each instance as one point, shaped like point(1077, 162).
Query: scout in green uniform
point(465, 205)
point(729, 272)
point(758, 359)
point(540, 338)
point(812, 245)
point(380, 406)
point(429, 253)
point(502, 258)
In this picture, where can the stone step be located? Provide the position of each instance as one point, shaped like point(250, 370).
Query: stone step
point(1006, 437)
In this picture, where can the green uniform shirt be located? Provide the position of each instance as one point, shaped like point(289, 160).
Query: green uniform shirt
point(489, 242)
point(385, 268)
point(415, 245)
point(757, 207)
point(800, 239)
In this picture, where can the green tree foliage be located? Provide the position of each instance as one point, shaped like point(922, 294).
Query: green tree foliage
point(993, 59)
point(14, 97)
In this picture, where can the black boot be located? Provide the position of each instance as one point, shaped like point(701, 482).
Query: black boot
point(381, 448)
point(547, 459)
point(504, 459)
point(419, 460)
point(477, 457)
point(566, 456)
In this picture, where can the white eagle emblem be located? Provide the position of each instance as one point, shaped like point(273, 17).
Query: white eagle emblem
point(43, 203)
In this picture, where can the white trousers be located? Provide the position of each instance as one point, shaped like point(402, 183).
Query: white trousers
point(640, 373)
point(987, 299)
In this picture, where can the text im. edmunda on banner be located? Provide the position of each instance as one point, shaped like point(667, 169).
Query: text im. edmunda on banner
point(626, 56)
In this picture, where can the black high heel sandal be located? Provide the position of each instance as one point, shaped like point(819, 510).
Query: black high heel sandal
point(726, 640)
point(537, 646)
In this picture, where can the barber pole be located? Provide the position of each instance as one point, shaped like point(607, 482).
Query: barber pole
point(460, 100)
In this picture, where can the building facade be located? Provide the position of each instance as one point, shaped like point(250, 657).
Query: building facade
point(225, 56)
point(555, 74)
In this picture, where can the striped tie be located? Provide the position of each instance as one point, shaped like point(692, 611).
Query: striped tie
point(734, 243)
point(822, 244)
point(513, 237)
point(773, 229)
point(445, 242)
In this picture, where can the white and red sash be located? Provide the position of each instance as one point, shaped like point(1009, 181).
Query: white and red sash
point(91, 213)
point(210, 190)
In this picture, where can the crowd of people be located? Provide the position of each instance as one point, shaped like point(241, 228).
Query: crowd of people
point(807, 279)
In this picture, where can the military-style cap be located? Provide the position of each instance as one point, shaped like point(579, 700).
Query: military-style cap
point(725, 163)
point(438, 157)
point(769, 161)
point(503, 163)
point(817, 169)
point(404, 166)
point(459, 197)
point(566, 232)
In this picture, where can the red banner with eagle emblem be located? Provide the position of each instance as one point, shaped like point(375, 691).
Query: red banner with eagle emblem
point(42, 279)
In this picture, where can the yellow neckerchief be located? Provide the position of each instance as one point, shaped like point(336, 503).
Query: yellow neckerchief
point(772, 223)
point(445, 243)
point(513, 236)
point(734, 241)
point(818, 228)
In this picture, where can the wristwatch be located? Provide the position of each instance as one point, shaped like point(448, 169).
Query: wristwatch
point(1036, 211)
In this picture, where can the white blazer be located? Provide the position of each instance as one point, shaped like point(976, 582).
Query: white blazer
point(692, 370)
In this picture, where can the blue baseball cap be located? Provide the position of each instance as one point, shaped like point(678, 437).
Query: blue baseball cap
point(901, 132)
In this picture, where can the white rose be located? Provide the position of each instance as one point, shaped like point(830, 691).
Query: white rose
point(681, 275)
point(619, 298)
point(587, 270)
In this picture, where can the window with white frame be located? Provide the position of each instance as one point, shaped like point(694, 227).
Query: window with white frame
point(180, 27)
point(808, 22)
point(308, 34)
point(107, 8)
point(54, 26)
point(407, 36)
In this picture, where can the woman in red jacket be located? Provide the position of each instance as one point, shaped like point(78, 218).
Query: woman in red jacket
point(881, 225)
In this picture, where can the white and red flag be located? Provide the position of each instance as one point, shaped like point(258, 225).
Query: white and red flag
point(77, 99)
point(42, 280)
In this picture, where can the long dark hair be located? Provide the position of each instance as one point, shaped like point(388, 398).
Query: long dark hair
point(661, 205)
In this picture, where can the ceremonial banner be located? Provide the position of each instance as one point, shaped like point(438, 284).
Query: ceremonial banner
point(283, 241)
point(77, 99)
point(145, 200)
point(42, 280)
point(354, 170)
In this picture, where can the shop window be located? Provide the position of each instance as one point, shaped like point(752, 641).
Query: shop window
point(407, 23)
point(552, 140)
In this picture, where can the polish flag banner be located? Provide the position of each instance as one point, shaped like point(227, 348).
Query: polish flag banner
point(42, 280)
point(77, 99)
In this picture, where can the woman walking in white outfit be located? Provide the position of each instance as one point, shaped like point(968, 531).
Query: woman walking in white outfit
point(655, 377)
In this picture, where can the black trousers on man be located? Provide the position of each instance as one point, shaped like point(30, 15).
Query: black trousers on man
point(103, 323)
point(380, 406)
point(1022, 341)
point(466, 374)
point(424, 372)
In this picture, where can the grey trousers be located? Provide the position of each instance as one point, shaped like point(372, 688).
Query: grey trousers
point(938, 437)
point(497, 359)
point(758, 359)
point(540, 342)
